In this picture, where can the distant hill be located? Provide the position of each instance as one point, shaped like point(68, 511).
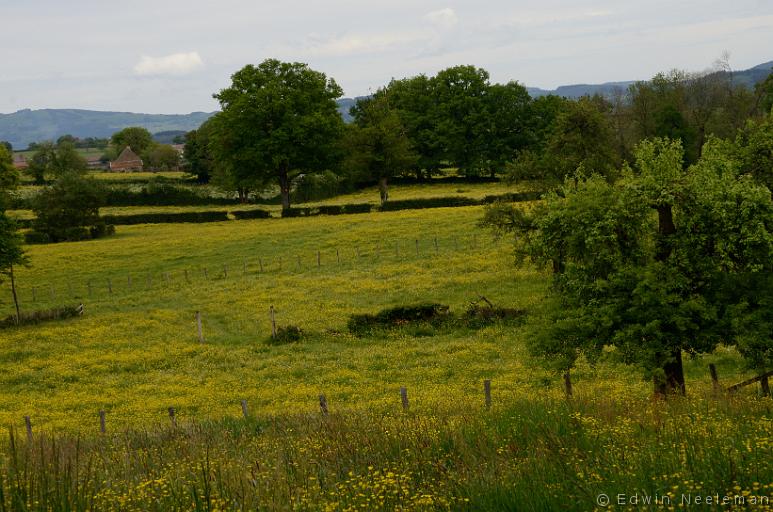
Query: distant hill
point(25, 126)
point(747, 78)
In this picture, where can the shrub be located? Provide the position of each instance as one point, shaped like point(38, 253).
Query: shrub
point(482, 312)
point(313, 187)
point(286, 334)
point(429, 202)
point(162, 218)
point(69, 209)
point(250, 214)
point(163, 194)
point(296, 212)
point(397, 316)
point(46, 315)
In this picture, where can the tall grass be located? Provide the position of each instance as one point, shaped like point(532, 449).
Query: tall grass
point(531, 454)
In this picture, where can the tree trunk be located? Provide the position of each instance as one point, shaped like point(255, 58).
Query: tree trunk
point(383, 188)
point(284, 187)
point(15, 297)
point(673, 381)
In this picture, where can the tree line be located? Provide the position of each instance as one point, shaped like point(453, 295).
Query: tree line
point(278, 126)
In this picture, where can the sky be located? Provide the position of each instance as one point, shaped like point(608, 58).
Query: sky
point(169, 57)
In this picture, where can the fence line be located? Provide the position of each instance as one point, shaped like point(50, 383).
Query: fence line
point(486, 402)
point(423, 248)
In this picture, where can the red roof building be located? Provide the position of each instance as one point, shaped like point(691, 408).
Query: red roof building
point(126, 161)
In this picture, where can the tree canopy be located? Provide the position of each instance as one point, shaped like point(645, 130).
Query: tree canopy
point(277, 118)
point(376, 145)
point(652, 264)
point(135, 137)
point(54, 160)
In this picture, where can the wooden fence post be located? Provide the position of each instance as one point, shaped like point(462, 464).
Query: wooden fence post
point(417, 247)
point(436, 245)
point(568, 385)
point(714, 378)
point(299, 261)
point(338, 257)
point(206, 274)
point(404, 397)
point(487, 392)
point(260, 262)
point(102, 427)
point(172, 417)
point(198, 324)
point(273, 322)
point(323, 404)
point(244, 409)
point(109, 286)
point(28, 424)
point(319, 259)
point(225, 271)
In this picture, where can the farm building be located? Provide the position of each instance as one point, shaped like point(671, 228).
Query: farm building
point(20, 162)
point(126, 161)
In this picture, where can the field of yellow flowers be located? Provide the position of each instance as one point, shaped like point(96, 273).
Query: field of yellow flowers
point(136, 352)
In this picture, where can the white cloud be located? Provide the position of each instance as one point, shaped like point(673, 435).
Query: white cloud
point(354, 44)
point(175, 64)
point(444, 19)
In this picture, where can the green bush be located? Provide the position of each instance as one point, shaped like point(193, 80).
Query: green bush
point(163, 194)
point(286, 334)
point(163, 218)
point(69, 209)
point(429, 202)
point(397, 316)
point(35, 317)
point(296, 212)
point(250, 214)
point(313, 187)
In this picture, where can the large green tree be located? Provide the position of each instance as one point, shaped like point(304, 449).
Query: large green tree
point(755, 149)
point(277, 118)
point(649, 264)
point(376, 145)
point(506, 129)
point(414, 101)
point(461, 116)
point(69, 209)
point(580, 138)
point(54, 160)
point(197, 154)
point(135, 137)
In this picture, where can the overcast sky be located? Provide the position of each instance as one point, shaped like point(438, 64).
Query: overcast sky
point(171, 56)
